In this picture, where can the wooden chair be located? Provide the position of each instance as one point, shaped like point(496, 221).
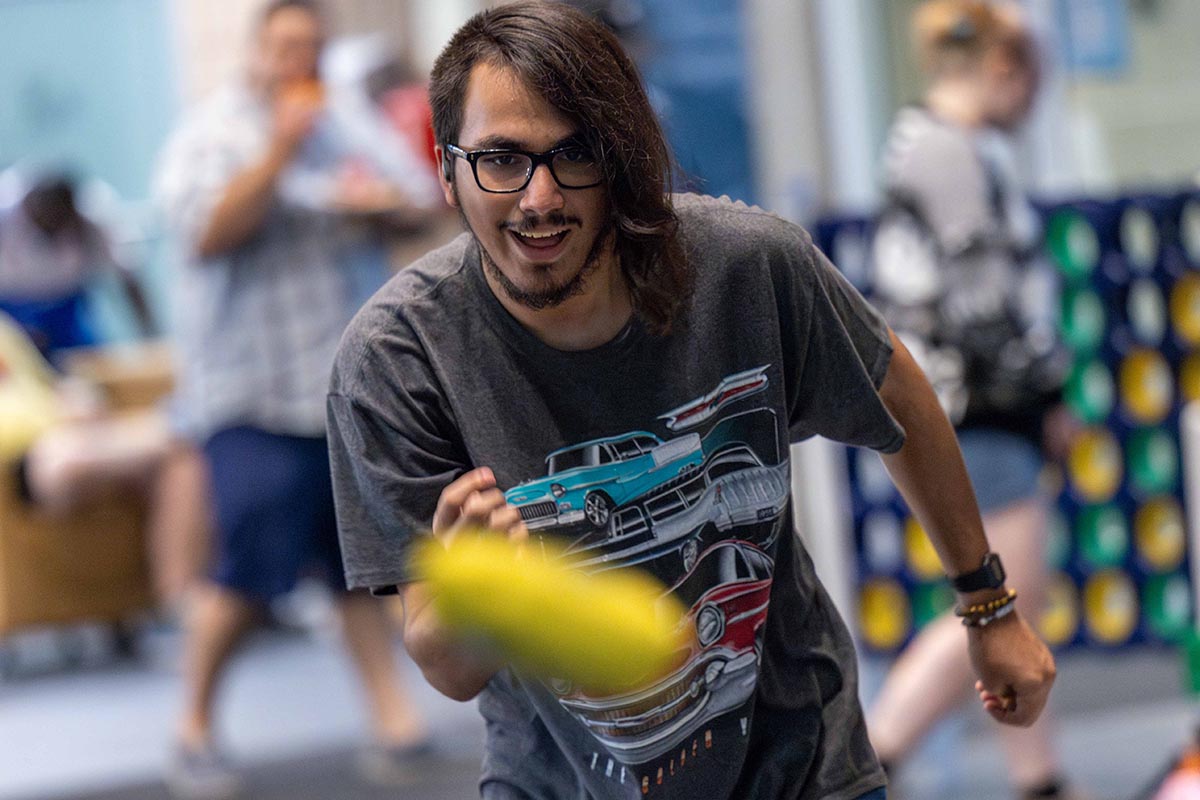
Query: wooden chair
point(89, 565)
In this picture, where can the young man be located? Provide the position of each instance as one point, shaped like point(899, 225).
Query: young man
point(663, 352)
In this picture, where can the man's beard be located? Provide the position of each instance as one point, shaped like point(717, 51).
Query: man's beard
point(548, 296)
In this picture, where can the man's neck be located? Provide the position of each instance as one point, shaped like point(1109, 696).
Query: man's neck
point(955, 102)
point(590, 319)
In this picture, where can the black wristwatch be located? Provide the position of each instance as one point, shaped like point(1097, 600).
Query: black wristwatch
point(990, 575)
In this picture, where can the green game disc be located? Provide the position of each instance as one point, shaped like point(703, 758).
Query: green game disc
point(1167, 605)
point(1073, 244)
point(1082, 321)
point(1153, 461)
point(1103, 536)
point(930, 601)
point(1089, 392)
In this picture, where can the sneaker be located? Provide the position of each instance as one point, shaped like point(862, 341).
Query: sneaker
point(397, 765)
point(202, 774)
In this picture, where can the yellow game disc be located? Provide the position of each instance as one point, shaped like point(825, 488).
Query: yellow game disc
point(1059, 621)
point(1110, 604)
point(884, 615)
point(604, 632)
point(1185, 308)
point(923, 561)
point(1094, 465)
point(1147, 386)
point(1159, 533)
point(1189, 377)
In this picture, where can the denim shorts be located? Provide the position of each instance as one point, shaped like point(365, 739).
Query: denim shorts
point(875, 794)
point(1003, 466)
point(273, 499)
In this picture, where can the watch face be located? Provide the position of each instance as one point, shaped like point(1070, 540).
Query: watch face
point(995, 570)
point(990, 575)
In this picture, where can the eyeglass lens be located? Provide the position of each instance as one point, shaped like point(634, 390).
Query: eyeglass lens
point(510, 171)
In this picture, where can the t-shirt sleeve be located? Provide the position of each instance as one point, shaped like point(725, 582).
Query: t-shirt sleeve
point(839, 350)
point(392, 450)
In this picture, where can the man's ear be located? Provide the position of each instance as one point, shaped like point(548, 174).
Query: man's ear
point(446, 175)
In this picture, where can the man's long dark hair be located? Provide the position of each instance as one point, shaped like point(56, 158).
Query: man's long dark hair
point(579, 67)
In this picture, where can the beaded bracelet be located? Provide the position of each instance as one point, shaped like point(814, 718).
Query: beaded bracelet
point(981, 614)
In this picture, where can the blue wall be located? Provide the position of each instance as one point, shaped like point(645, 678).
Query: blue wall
point(86, 83)
point(89, 85)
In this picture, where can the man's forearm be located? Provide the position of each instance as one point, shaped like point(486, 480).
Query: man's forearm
point(929, 469)
point(244, 205)
point(451, 667)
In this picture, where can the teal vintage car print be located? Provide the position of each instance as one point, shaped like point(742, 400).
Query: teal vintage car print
point(586, 482)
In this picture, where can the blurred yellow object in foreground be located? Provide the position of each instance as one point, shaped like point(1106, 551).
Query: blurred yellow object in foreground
point(605, 632)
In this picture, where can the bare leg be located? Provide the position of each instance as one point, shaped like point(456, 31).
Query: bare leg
point(368, 634)
point(217, 620)
point(1020, 539)
point(180, 524)
point(933, 674)
point(929, 680)
point(77, 460)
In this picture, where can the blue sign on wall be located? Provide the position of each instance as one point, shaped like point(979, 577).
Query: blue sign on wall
point(1094, 35)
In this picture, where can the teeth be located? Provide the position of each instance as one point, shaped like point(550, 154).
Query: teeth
point(541, 235)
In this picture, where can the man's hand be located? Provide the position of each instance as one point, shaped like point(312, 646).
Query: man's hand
point(453, 668)
point(1015, 670)
point(294, 115)
point(472, 502)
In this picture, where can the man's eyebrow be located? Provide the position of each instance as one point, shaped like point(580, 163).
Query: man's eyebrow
point(496, 142)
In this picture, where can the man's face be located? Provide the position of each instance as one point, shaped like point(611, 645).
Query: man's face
point(1012, 77)
point(289, 47)
point(539, 245)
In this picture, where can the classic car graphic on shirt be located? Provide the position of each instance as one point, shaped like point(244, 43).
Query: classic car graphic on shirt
point(699, 499)
point(734, 488)
point(628, 498)
point(728, 590)
point(586, 482)
point(729, 389)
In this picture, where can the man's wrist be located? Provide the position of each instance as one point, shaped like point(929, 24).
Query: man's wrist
point(989, 574)
point(981, 596)
point(985, 613)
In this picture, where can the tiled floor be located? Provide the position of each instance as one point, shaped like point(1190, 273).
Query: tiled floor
point(291, 713)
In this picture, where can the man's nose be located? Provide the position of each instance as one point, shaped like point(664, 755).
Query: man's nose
point(543, 193)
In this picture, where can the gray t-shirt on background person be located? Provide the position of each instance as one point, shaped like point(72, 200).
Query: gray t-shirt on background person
point(669, 452)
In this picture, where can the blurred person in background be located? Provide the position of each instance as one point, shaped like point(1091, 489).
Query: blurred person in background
point(53, 246)
point(281, 218)
point(50, 251)
point(955, 268)
point(57, 437)
point(65, 445)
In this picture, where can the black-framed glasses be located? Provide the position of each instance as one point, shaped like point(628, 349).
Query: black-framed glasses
point(505, 171)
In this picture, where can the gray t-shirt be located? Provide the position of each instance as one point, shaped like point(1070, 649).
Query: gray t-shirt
point(669, 452)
